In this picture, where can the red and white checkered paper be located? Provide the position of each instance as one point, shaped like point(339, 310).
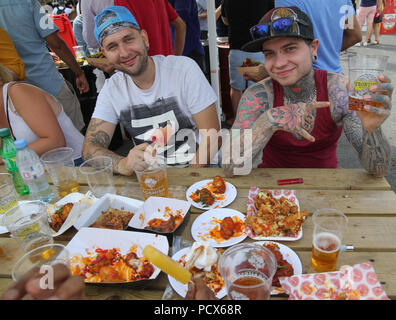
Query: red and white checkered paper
point(359, 282)
point(277, 194)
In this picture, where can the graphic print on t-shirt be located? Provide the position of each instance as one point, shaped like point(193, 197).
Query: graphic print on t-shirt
point(139, 120)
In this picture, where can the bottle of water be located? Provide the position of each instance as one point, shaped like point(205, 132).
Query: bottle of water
point(32, 172)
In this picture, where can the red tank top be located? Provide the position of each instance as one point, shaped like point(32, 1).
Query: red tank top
point(283, 150)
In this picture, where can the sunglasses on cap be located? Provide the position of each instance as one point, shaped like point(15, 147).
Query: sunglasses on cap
point(284, 25)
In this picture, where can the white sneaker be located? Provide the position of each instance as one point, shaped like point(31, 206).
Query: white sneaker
point(357, 44)
point(365, 44)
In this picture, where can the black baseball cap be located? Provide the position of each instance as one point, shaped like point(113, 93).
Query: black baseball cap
point(280, 22)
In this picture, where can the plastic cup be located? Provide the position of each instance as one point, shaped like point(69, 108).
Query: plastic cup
point(8, 197)
point(45, 257)
point(154, 181)
point(247, 270)
point(79, 53)
point(99, 173)
point(28, 224)
point(59, 164)
point(329, 227)
point(363, 73)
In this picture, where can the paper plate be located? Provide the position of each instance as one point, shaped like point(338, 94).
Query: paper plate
point(159, 208)
point(90, 239)
point(251, 210)
point(290, 256)
point(80, 202)
point(107, 201)
point(210, 219)
point(229, 195)
point(182, 289)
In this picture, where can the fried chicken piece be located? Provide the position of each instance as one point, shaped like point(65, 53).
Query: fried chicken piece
point(227, 228)
point(264, 198)
point(161, 225)
point(60, 216)
point(219, 185)
point(293, 222)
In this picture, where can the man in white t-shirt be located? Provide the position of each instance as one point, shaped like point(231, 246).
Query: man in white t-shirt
point(149, 93)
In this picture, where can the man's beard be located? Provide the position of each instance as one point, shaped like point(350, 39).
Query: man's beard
point(141, 70)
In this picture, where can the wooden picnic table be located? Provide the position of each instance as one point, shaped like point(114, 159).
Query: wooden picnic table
point(369, 203)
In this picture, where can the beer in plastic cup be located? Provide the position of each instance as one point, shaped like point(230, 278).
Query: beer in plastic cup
point(329, 226)
point(154, 180)
point(247, 270)
point(363, 73)
point(59, 164)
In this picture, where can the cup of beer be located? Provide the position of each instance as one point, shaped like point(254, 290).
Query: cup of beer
point(28, 224)
point(154, 180)
point(247, 270)
point(363, 73)
point(59, 164)
point(329, 227)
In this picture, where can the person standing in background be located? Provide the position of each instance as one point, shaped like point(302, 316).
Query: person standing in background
point(332, 28)
point(78, 29)
point(366, 13)
point(240, 16)
point(89, 9)
point(31, 39)
point(156, 17)
point(376, 25)
point(188, 11)
point(9, 57)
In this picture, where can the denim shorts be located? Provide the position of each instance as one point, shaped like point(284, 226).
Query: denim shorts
point(235, 59)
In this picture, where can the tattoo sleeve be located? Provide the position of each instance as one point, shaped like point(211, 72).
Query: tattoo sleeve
point(97, 140)
point(372, 148)
point(250, 132)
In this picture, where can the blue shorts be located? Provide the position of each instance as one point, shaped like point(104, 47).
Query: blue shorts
point(235, 59)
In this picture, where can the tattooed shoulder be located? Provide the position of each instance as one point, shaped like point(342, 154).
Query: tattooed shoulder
point(254, 101)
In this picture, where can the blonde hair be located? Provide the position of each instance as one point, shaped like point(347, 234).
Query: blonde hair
point(5, 75)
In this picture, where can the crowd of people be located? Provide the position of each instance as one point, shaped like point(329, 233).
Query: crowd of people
point(295, 110)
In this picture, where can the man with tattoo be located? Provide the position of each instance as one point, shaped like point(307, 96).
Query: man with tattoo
point(297, 115)
point(147, 94)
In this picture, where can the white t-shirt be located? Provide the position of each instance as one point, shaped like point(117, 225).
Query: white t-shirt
point(179, 91)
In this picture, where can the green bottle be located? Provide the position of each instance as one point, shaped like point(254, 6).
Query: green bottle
point(8, 154)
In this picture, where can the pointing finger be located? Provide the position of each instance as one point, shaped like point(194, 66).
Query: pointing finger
point(317, 104)
point(306, 135)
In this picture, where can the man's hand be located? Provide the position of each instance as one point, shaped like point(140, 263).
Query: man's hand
point(381, 93)
point(66, 286)
point(82, 83)
point(136, 160)
point(198, 290)
point(261, 74)
point(295, 118)
point(106, 67)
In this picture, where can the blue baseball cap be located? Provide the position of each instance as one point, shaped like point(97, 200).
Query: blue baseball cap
point(112, 19)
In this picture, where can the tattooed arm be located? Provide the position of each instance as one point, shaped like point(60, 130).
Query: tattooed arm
point(255, 112)
point(96, 143)
point(253, 103)
point(363, 129)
